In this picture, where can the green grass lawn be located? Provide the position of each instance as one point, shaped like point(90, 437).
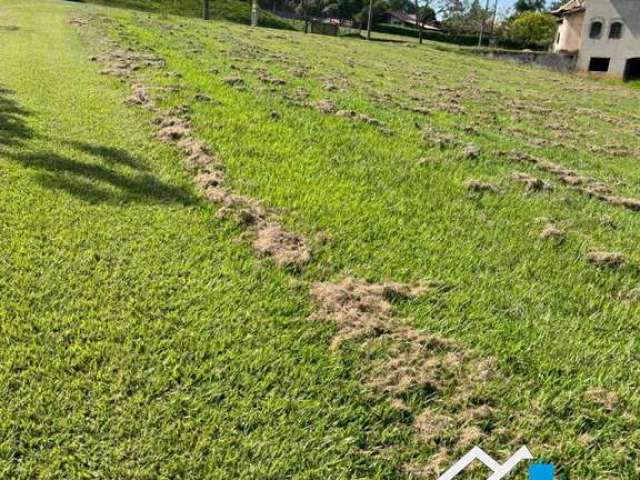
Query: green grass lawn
point(142, 339)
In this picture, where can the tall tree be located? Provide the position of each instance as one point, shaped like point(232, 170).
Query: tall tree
point(423, 13)
point(463, 15)
point(530, 6)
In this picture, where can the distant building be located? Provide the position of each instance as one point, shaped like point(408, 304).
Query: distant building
point(604, 34)
point(409, 20)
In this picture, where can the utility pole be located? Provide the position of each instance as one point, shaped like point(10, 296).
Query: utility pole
point(486, 11)
point(254, 13)
point(369, 19)
point(205, 9)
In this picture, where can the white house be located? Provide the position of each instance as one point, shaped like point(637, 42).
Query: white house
point(605, 35)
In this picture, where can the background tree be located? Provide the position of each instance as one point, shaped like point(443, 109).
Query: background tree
point(529, 6)
point(556, 4)
point(380, 7)
point(463, 16)
point(423, 13)
point(531, 27)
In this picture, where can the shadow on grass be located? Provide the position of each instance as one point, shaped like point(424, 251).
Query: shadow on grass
point(116, 176)
point(13, 128)
point(109, 155)
point(98, 184)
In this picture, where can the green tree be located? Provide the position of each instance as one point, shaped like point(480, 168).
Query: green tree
point(463, 15)
point(532, 27)
point(529, 6)
point(423, 13)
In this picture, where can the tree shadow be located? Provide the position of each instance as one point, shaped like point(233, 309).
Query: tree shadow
point(13, 127)
point(109, 155)
point(114, 175)
point(97, 184)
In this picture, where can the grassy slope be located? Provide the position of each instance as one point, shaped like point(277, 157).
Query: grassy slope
point(238, 11)
point(551, 320)
point(123, 353)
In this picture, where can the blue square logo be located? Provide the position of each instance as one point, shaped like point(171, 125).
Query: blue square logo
point(541, 471)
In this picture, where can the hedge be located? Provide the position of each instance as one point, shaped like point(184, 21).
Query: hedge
point(457, 39)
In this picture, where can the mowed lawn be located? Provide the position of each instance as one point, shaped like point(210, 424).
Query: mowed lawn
point(142, 339)
point(138, 337)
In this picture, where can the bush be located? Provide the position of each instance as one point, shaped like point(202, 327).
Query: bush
point(457, 39)
point(469, 40)
point(532, 28)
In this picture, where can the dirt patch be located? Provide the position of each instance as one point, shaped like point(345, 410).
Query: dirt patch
point(140, 96)
point(432, 138)
point(478, 186)
point(605, 399)
point(286, 249)
point(601, 259)
point(420, 110)
point(551, 232)
point(583, 184)
point(173, 133)
point(631, 295)
point(120, 63)
point(203, 97)
point(233, 81)
point(359, 308)
point(360, 117)
point(197, 154)
point(329, 86)
point(325, 106)
point(271, 80)
point(433, 428)
point(531, 183)
point(470, 152)
point(414, 362)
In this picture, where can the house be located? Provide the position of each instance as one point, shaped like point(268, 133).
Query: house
point(604, 34)
point(408, 20)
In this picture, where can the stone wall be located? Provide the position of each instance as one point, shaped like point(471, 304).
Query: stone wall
point(558, 62)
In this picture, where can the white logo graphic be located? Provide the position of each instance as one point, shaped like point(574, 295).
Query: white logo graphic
point(499, 470)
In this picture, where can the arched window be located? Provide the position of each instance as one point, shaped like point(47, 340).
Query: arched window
point(596, 29)
point(615, 31)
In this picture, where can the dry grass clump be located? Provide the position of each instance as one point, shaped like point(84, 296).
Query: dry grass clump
point(531, 183)
point(361, 117)
point(470, 152)
point(630, 295)
point(587, 185)
point(478, 186)
point(440, 370)
point(551, 232)
point(606, 259)
point(271, 80)
point(233, 81)
point(139, 97)
point(432, 138)
point(325, 106)
point(286, 248)
point(605, 399)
